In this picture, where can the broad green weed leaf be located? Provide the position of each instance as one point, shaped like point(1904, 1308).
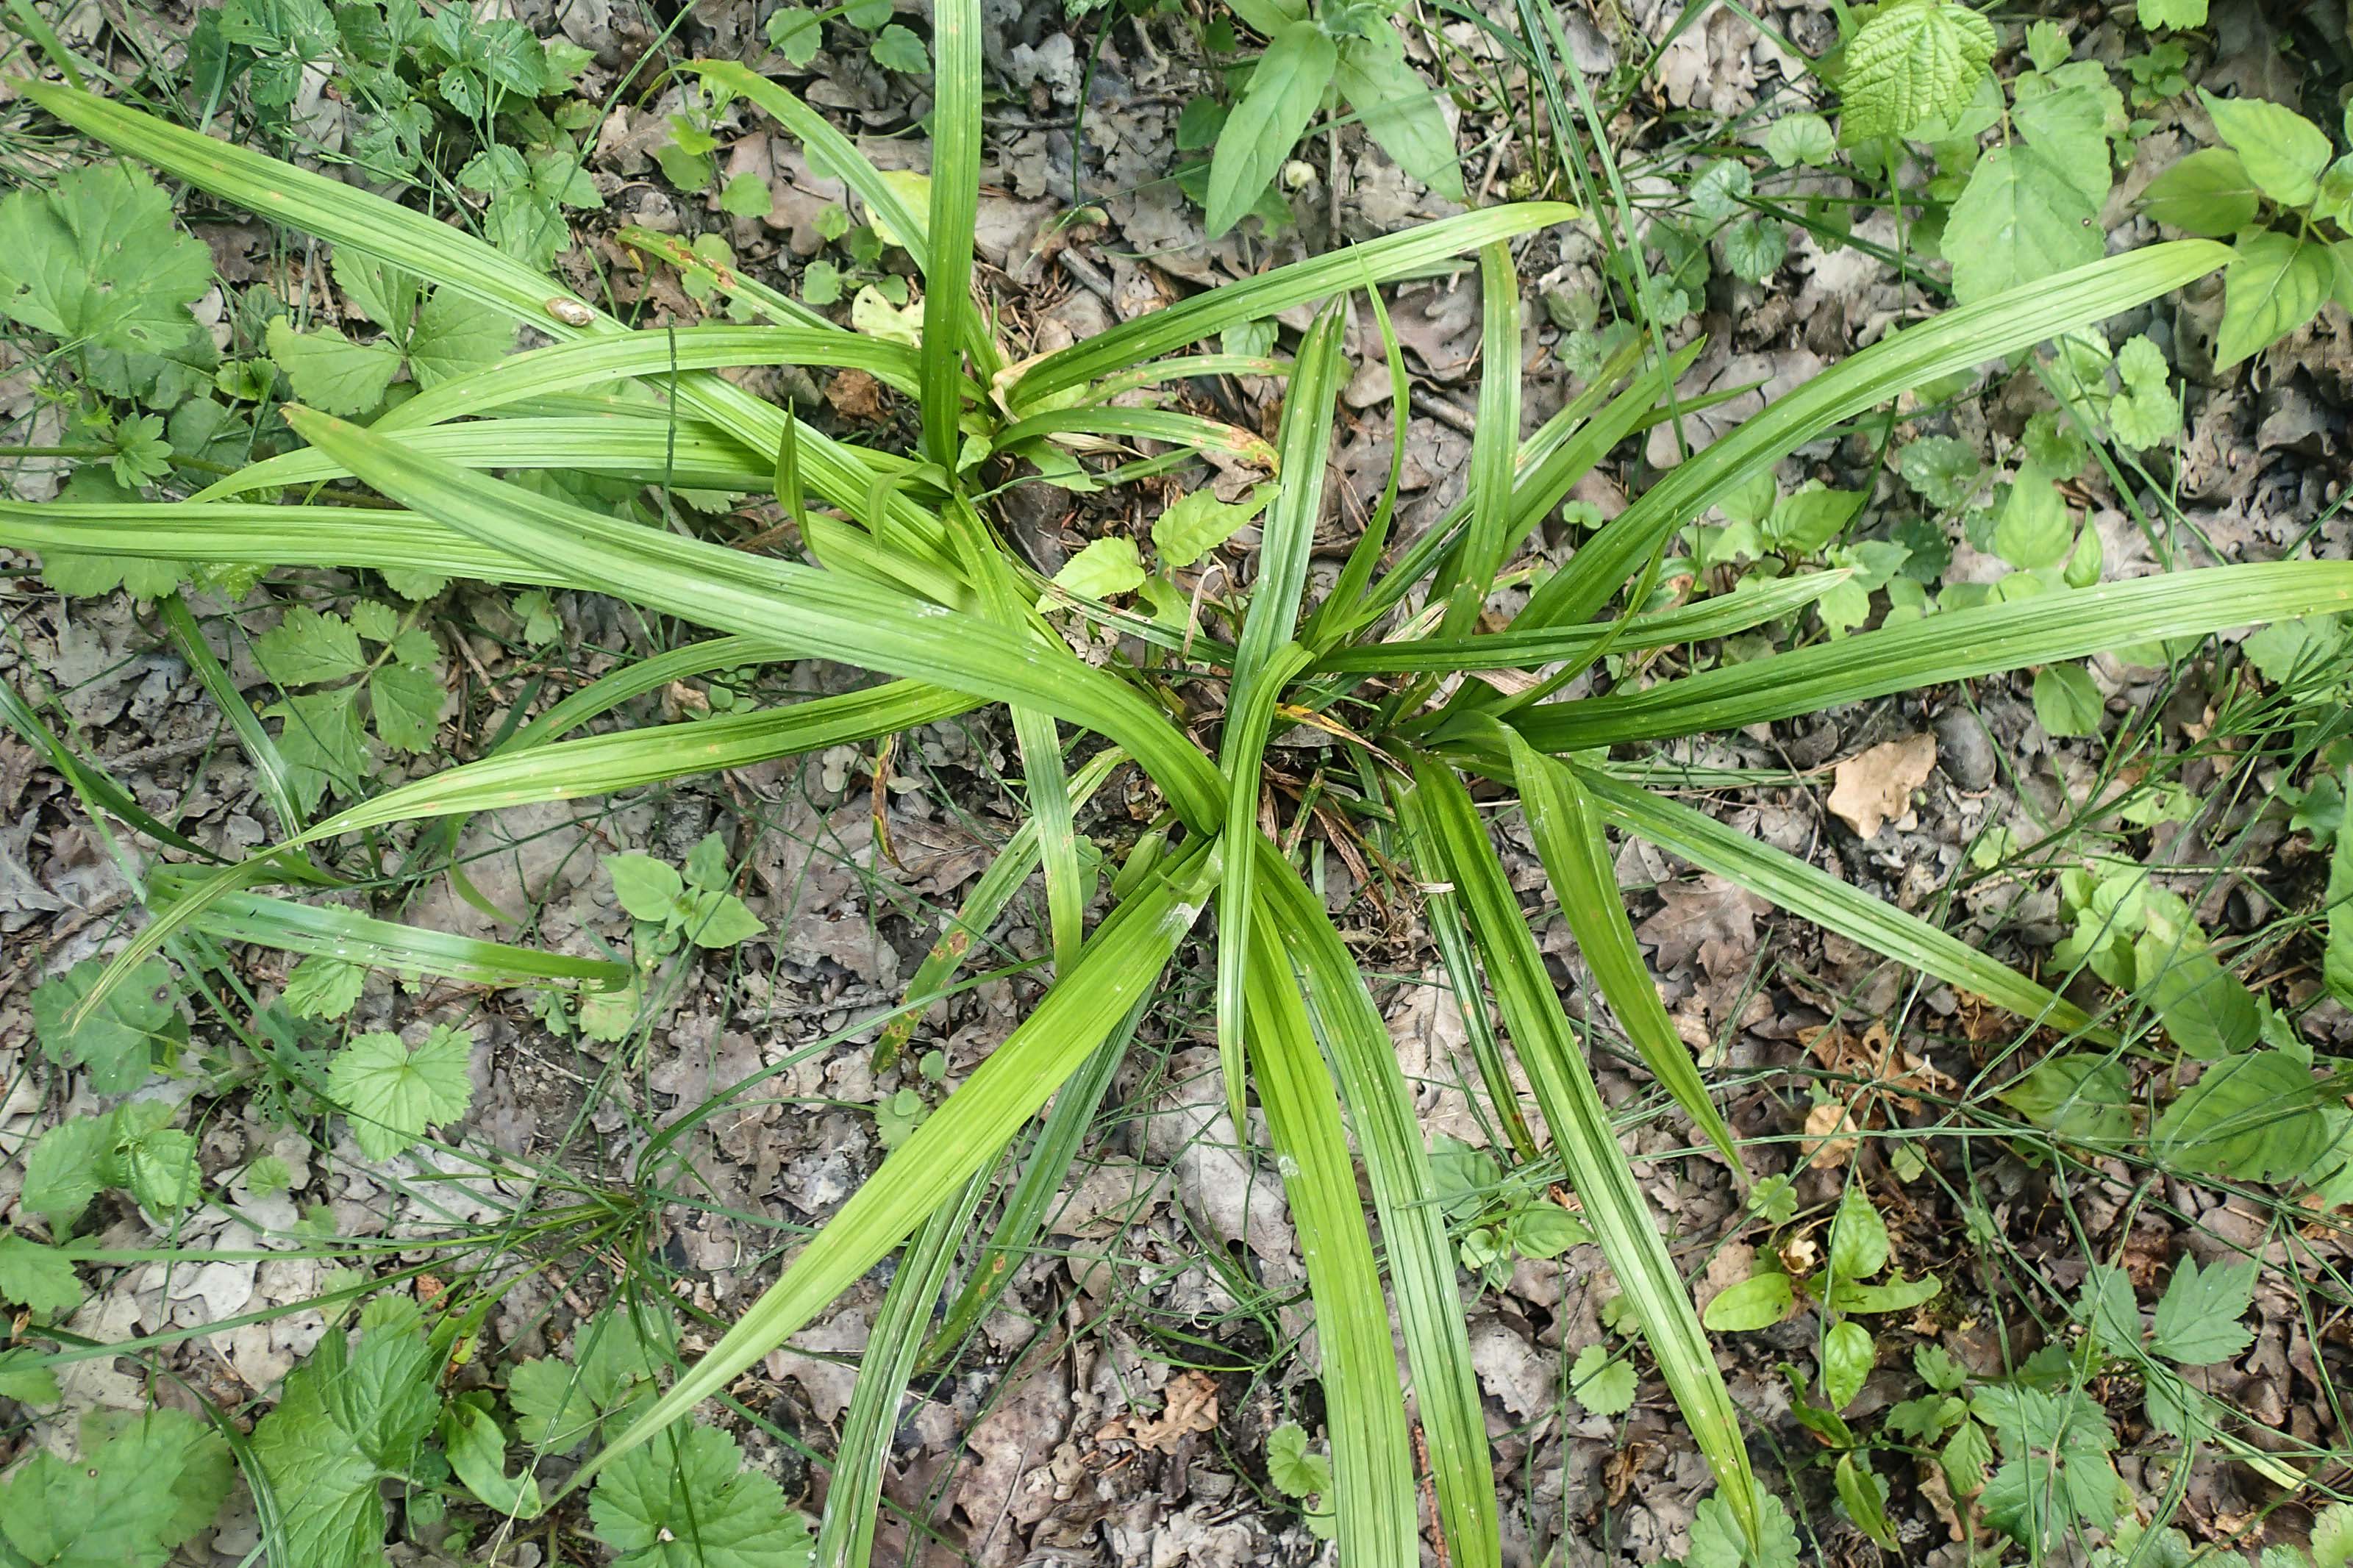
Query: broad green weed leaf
point(1198, 522)
point(2208, 1010)
point(456, 336)
point(1294, 1471)
point(324, 987)
point(1399, 111)
point(645, 887)
point(64, 1171)
point(1284, 91)
point(1757, 1302)
point(117, 1044)
point(2110, 1310)
point(1915, 61)
point(2197, 1321)
point(2172, 12)
point(155, 1163)
point(346, 1419)
point(2148, 411)
point(1858, 1236)
point(2081, 1095)
point(329, 370)
point(2067, 702)
point(2283, 152)
point(96, 260)
point(1755, 249)
point(477, 1452)
point(2276, 283)
point(2254, 1118)
point(1859, 1489)
point(1603, 1382)
point(2021, 217)
point(1105, 567)
point(142, 1485)
point(1796, 138)
point(2208, 193)
point(305, 647)
point(39, 1277)
point(391, 1092)
point(684, 1501)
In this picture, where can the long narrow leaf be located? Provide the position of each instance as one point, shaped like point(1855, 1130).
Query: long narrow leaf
point(1622, 1221)
point(1899, 361)
point(956, 196)
point(1494, 446)
point(1830, 903)
point(1569, 841)
point(689, 454)
point(1959, 646)
point(1121, 962)
point(1372, 1467)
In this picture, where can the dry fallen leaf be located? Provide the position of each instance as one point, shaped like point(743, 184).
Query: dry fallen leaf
point(1823, 1121)
point(1872, 786)
point(1710, 920)
point(1191, 1407)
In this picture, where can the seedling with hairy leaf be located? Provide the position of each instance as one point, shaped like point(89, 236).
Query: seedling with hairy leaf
point(906, 576)
point(1304, 1475)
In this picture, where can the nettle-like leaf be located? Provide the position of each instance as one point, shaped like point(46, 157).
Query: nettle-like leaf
point(348, 1419)
point(618, 1357)
point(142, 1485)
point(97, 262)
point(1915, 61)
point(684, 1501)
point(39, 1277)
point(391, 1092)
point(324, 739)
point(2197, 1321)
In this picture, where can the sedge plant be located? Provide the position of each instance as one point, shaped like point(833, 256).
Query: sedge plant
point(910, 577)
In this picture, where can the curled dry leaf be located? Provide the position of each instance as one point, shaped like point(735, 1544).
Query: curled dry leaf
point(1871, 787)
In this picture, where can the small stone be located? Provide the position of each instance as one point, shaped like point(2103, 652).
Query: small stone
point(1963, 749)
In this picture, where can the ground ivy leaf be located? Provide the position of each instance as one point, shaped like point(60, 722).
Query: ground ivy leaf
point(97, 259)
point(391, 1092)
point(1603, 1383)
point(2020, 218)
point(39, 1277)
point(1755, 249)
point(456, 336)
point(2282, 151)
point(2197, 1317)
point(1913, 61)
point(1796, 138)
point(684, 1501)
point(2275, 283)
point(329, 370)
point(306, 647)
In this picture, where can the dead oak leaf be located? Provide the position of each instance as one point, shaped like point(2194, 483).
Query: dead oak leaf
point(1190, 1406)
point(1870, 788)
point(1710, 920)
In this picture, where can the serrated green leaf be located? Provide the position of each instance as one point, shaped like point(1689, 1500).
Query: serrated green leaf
point(1913, 61)
point(1105, 567)
point(1295, 1472)
point(63, 1172)
point(1603, 1382)
point(897, 48)
point(39, 1277)
point(1198, 522)
point(142, 1485)
point(456, 336)
point(2021, 218)
point(406, 703)
point(392, 1092)
point(2197, 1321)
point(2283, 153)
point(324, 987)
point(97, 261)
point(329, 370)
point(322, 744)
point(306, 647)
point(684, 1501)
